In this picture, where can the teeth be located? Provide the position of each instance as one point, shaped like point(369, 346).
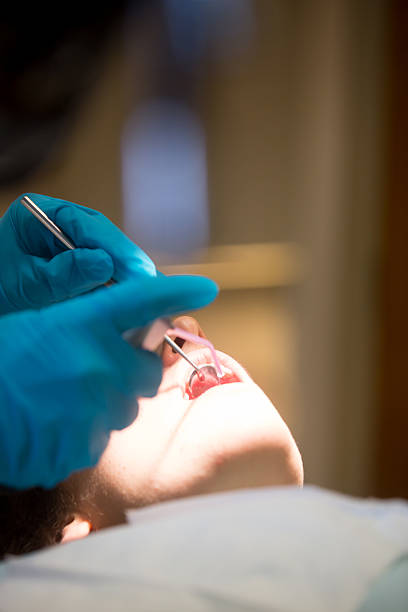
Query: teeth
point(226, 370)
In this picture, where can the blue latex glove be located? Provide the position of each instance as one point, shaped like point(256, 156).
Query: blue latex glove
point(36, 270)
point(67, 377)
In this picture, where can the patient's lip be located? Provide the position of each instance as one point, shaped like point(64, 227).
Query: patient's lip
point(203, 356)
point(197, 386)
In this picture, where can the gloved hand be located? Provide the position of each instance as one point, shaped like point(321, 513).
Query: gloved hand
point(67, 377)
point(36, 270)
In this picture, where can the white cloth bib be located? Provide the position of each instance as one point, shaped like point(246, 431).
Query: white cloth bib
point(282, 549)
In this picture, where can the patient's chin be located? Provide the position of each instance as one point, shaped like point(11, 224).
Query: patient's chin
point(231, 438)
point(256, 463)
point(260, 466)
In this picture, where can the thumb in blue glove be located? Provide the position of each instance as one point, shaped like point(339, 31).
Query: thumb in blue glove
point(68, 378)
point(36, 269)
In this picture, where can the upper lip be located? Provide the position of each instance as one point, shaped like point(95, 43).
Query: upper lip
point(203, 356)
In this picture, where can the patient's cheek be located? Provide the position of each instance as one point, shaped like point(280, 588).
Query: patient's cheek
point(200, 385)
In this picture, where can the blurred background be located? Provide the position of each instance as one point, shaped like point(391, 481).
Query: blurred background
point(260, 142)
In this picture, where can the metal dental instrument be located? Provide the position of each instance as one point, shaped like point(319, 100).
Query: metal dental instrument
point(46, 221)
point(67, 242)
point(178, 350)
point(207, 372)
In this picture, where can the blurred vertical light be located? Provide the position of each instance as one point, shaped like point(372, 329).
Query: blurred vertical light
point(163, 148)
point(165, 179)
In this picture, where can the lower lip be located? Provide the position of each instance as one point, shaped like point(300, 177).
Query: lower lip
point(200, 386)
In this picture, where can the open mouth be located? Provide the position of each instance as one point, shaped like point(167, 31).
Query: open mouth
point(205, 379)
point(198, 383)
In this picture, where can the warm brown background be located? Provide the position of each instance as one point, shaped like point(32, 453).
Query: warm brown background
point(392, 458)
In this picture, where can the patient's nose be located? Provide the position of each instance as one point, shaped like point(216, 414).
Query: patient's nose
point(169, 356)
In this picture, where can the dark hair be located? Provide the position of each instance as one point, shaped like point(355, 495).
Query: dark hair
point(36, 518)
point(33, 519)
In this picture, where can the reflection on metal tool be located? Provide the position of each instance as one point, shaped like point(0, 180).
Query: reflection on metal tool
point(178, 350)
point(46, 221)
point(207, 375)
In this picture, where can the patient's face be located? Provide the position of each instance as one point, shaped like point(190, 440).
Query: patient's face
point(229, 437)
